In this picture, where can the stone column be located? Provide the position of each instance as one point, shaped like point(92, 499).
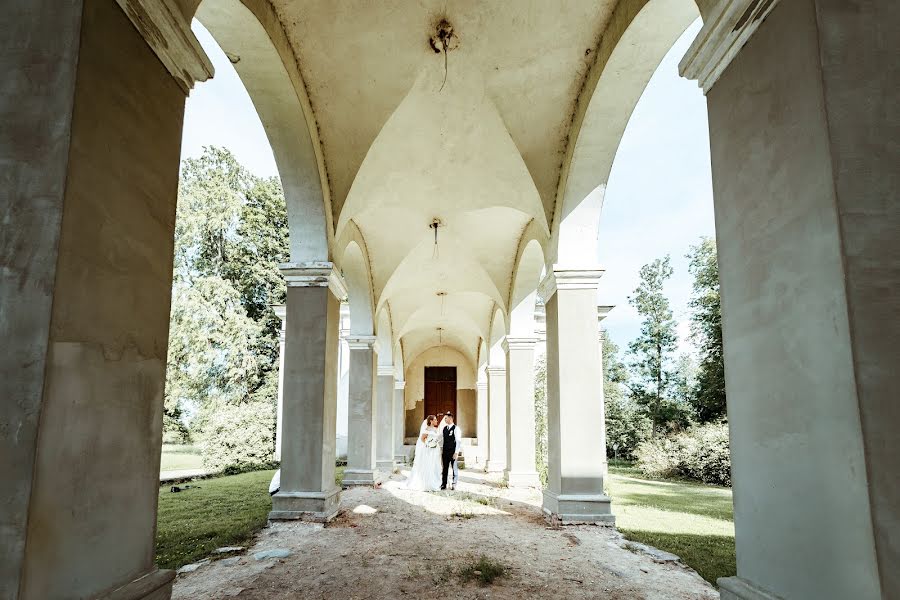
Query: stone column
point(576, 431)
point(308, 490)
point(361, 431)
point(496, 384)
point(281, 313)
point(399, 421)
point(804, 130)
point(384, 435)
point(483, 424)
point(520, 442)
point(90, 142)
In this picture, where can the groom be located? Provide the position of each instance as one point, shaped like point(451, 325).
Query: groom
point(452, 446)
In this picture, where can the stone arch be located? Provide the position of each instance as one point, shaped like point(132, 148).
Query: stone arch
point(639, 35)
point(496, 355)
point(529, 269)
point(384, 333)
point(354, 264)
point(249, 32)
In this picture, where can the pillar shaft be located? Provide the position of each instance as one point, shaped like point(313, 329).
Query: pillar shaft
point(361, 429)
point(804, 162)
point(483, 423)
point(90, 148)
point(308, 490)
point(399, 422)
point(576, 431)
point(384, 436)
point(520, 442)
point(496, 377)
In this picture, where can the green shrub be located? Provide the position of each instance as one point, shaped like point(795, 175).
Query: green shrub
point(700, 453)
point(627, 425)
point(239, 437)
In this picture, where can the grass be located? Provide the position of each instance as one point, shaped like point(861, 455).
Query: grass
point(484, 570)
point(691, 520)
point(224, 511)
point(176, 457)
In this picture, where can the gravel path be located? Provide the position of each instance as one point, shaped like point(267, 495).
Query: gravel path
point(390, 543)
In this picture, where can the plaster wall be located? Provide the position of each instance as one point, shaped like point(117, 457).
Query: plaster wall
point(793, 260)
point(40, 53)
point(858, 51)
point(101, 414)
point(438, 356)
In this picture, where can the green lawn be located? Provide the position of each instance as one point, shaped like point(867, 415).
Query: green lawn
point(691, 520)
point(223, 511)
point(176, 457)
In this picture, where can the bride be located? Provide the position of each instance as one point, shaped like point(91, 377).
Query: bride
point(426, 471)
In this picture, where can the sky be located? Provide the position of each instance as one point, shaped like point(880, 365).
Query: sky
point(659, 195)
point(658, 198)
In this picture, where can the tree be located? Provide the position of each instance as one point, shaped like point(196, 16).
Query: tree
point(651, 350)
point(230, 235)
point(708, 397)
point(627, 424)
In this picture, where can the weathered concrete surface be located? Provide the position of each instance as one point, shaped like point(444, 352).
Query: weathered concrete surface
point(98, 389)
point(363, 410)
point(310, 403)
point(520, 445)
point(496, 376)
point(576, 432)
point(39, 58)
point(804, 166)
point(858, 50)
point(384, 435)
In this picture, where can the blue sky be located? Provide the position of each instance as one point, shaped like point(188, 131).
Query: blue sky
point(658, 200)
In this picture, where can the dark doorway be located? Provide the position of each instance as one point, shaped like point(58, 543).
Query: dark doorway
point(440, 390)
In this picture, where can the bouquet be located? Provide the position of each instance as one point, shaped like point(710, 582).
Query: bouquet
point(431, 442)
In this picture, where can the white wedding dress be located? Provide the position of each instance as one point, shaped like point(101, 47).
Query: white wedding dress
point(426, 472)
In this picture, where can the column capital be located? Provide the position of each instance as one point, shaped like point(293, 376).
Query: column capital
point(399, 384)
point(495, 370)
point(385, 370)
point(314, 274)
point(518, 343)
point(724, 33)
point(169, 35)
point(563, 278)
point(363, 342)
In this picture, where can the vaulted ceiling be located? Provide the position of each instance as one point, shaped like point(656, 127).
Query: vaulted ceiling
point(477, 147)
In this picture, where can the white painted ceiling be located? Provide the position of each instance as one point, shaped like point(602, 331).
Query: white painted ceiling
point(482, 155)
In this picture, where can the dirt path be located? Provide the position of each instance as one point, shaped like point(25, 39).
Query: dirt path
point(390, 543)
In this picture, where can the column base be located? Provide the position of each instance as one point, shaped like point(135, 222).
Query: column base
point(155, 585)
point(359, 477)
point(386, 466)
point(579, 508)
point(495, 466)
point(522, 479)
point(305, 506)
point(735, 588)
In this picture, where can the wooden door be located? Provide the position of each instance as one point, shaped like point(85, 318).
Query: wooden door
point(440, 390)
